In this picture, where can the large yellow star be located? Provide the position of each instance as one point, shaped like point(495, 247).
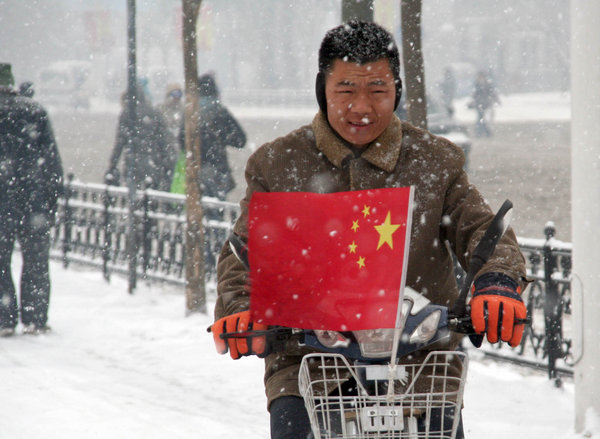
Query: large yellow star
point(386, 230)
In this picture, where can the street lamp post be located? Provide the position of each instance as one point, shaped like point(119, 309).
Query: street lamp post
point(131, 117)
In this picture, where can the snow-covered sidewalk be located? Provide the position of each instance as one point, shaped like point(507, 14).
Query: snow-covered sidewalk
point(133, 366)
point(522, 108)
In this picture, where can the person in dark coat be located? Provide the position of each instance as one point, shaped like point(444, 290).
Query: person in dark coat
point(31, 177)
point(218, 129)
point(484, 99)
point(148, 149)
point(448, 91)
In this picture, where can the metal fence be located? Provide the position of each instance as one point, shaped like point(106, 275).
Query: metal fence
point(91, 228)
point(549, 338)
point(547, 342)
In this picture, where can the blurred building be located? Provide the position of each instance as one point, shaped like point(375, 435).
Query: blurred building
point(266, 51)
point(523, 46)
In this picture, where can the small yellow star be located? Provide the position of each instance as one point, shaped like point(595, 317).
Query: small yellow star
point(386, 230)
point(355, 225)
point(361, 262)
point(353, 247)
point(366, 211)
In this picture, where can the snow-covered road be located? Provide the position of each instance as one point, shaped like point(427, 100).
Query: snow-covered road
point(133, 366)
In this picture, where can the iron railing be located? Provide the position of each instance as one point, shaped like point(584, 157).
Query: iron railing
point(547, 342)
point(91, 228)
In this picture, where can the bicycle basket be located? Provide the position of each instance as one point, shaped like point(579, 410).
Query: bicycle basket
point(352, 402)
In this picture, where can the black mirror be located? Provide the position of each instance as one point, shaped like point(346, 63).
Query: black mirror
point(482, 253)
point(239, 249)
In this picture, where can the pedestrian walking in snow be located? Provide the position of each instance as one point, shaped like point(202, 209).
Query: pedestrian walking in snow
point(146, 145)
point(448, 91)
point(484, 100)
point(31, 178)
point(218, 129)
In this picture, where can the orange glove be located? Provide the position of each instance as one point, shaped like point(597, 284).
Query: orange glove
point(497, 308)
point(244, 344)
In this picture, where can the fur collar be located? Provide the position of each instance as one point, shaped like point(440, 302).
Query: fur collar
point(383, 152)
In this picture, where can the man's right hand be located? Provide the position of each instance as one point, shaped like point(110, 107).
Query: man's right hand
point(240, 322)
point(497, 309)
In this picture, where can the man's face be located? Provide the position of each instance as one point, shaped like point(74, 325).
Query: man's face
point(360, 100)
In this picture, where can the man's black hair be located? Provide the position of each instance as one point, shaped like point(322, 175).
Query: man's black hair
point(360, 42)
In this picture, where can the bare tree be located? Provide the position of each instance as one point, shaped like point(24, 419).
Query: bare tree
point(194, 240)
point(412, 58)
point(357, 9)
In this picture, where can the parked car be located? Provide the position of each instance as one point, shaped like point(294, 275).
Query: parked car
point(441, 123)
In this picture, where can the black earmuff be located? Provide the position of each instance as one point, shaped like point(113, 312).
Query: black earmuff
point(320, 91)
point(398, 93)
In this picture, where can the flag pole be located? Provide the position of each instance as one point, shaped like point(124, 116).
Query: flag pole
point(398, 327)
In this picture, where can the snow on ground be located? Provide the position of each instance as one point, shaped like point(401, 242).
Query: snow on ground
point(523, 107)
point(133, 366)
point(124, 366)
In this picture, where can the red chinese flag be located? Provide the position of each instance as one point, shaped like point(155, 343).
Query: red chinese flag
point(328, 261)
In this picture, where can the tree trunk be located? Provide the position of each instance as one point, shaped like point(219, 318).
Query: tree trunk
point(194, 241)
point(412, 58)
point(357, 9)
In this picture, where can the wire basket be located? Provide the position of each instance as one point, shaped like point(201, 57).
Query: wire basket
point(356, 402)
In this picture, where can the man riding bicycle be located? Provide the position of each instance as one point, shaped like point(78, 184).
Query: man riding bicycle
point(355, 142)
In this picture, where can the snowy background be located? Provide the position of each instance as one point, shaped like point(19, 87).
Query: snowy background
point(133, 366)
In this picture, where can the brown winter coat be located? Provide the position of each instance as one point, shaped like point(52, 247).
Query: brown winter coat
point(446, 208)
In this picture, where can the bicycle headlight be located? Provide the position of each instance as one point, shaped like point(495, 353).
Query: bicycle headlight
point(375, 343)
point(426, 329)
point(332, 339)
point(378, 343)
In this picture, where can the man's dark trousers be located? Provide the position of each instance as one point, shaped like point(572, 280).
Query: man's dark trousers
point(32, 231)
